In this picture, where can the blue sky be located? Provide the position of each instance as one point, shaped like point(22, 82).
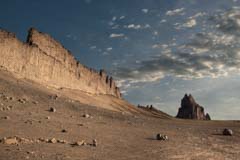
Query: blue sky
point(157, 50)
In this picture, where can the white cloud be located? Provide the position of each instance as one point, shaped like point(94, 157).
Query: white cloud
point(190, 23)
point(133, 26)
point(137, 26)
point(105, 53)
point(199, 14)
point(93, 47)
point(175, 12)
point(114, 18)
point(109, 48)
point(163, 46)
point(122, 17)
point(115, 26)
point(145, 10)
point(147, 26)
point(163, 21)
point(116, 35)
point(155, 33)
point(70, 36)
point(110, 23)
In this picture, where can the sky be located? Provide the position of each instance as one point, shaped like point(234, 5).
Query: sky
point(156, 50)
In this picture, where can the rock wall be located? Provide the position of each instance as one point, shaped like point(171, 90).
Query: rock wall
point(45, 61)
point(191, 110)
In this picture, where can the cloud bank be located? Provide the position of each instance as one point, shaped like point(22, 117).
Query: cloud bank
point(211, 53)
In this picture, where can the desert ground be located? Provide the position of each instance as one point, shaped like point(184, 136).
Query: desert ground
point(45, 135)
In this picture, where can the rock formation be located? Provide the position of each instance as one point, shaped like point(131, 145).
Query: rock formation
point(45, 61)
point(191, 110)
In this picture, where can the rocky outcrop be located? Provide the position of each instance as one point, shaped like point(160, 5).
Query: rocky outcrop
point(45, 61)
point(191, 110)
point(150, 109)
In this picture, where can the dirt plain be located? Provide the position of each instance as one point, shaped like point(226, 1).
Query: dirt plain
point(24, 113)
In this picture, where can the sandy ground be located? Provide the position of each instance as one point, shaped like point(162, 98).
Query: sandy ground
point(24, 113)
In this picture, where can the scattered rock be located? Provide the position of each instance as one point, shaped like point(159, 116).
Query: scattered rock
point(10, 140)
point(161, 137)
point(10, 98)
point(64, 130)
point(47, 117)
point(30, 152)
point(86, 116)
point(94, 143)
point(6, 117)
point(62, 141)
point(54, 97)
point(34, 102)
point(53, 140)
point(23, 100)
point(29, 121)
point(80, 143)
point(227, 132)
point(41, 139)
point(52, 109)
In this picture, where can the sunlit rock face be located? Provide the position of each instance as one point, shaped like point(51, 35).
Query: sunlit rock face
point(191, 110)
point(44, 60)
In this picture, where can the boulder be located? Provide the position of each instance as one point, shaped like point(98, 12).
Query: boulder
point(52, 109)
point(227, 132)
point(161, 137)
point(94, 143)
point(10, 140)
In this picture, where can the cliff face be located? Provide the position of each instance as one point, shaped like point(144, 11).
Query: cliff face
point(45, 61)
point(191, 110)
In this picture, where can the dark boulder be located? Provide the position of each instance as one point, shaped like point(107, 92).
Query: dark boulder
point(227, 132)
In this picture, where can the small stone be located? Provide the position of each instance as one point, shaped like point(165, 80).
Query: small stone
point(64, 130)
point(53, 140)
point(47, 117)
point(54, 97)
point(30, 152)
point(161, 137)
point(227, 132)
point(165, 137)
point(52, 109)
point(80, 143)
point(22, 100)
point(10, 140)
point(34, 102)
point(6, 117)
point(86, 116)
point(11, 98)
point(62, 141)
point(94, 143)
point(41, 139)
